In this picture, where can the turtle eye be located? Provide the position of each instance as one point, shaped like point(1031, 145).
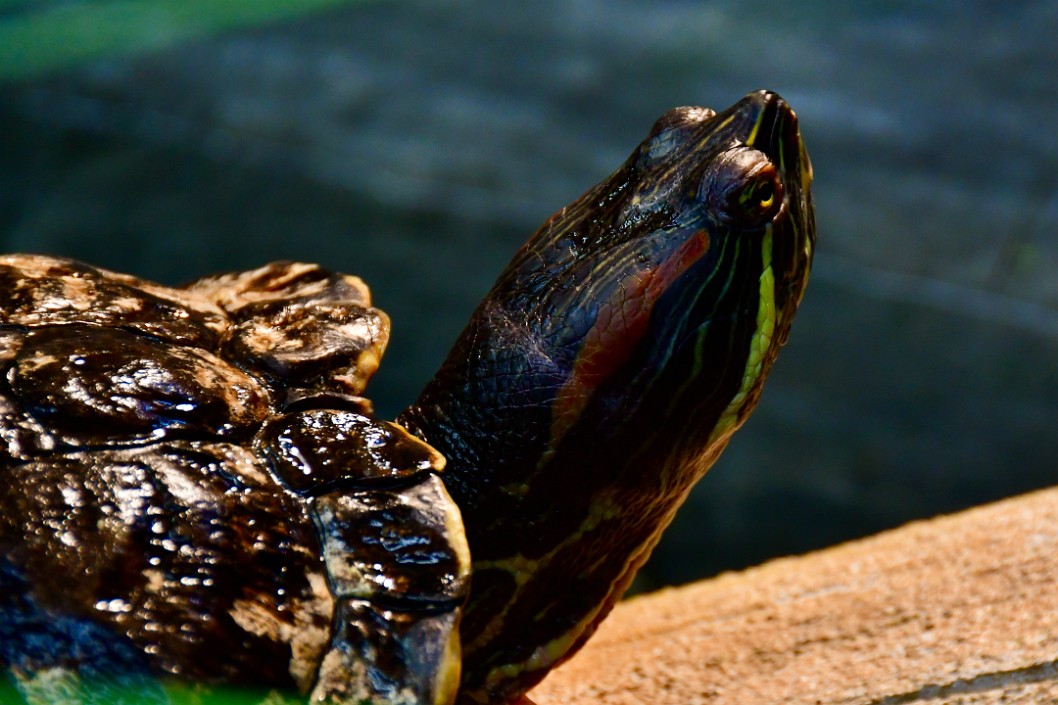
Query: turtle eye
point(743, 188)
point(763, 194)
point(760, 197)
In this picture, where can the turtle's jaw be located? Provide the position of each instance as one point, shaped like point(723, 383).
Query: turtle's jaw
point(776, 131)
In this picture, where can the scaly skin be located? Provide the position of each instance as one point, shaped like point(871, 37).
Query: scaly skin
point(606, 371)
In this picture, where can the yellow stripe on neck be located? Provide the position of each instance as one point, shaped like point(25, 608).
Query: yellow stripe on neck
point(767, 317)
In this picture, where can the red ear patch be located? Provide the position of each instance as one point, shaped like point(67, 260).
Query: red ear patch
point(619, 326)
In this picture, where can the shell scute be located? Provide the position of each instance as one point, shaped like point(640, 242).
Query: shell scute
point(318, 346)
point(306, 327)
point(41, 291)
point(100, 386)
point(279, 281)
point(392, 657)
point(402, 546)
point(316, 451)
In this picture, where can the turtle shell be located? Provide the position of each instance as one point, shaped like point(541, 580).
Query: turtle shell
point(193, 491)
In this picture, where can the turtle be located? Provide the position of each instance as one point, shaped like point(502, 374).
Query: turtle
point(198, 503)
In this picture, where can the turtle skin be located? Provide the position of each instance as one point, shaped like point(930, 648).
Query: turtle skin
point(193, 492)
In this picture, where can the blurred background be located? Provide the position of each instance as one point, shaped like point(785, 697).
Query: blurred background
point(418, 143)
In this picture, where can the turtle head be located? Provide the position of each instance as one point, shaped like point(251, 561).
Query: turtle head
point(607, 369)
point(672, 286)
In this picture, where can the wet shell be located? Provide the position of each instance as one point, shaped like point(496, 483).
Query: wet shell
point(194, 490)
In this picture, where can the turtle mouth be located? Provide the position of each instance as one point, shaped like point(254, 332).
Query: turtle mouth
point(774, 130)
point(771, 127)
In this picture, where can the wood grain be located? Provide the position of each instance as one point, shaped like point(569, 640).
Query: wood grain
point(958, 609)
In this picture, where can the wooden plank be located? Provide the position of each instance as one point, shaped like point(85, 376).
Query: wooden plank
point(959, 609)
